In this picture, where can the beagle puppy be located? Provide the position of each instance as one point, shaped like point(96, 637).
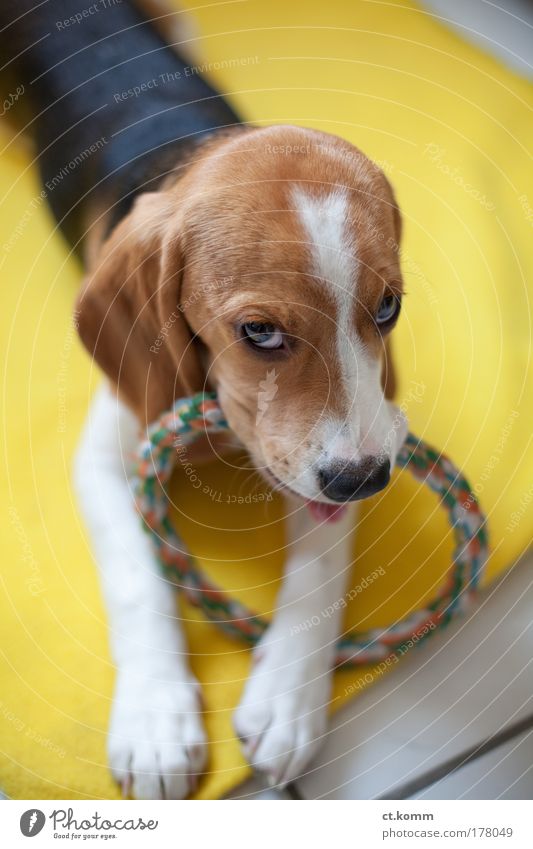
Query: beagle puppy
point(231, 257)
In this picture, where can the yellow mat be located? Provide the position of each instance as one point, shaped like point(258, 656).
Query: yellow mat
point(451, 128)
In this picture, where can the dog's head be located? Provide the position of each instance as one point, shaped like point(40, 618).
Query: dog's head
point(269, 272)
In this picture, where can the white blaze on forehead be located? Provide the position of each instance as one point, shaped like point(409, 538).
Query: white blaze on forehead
point(326, 223)
point(333, 246)
point(325, 219)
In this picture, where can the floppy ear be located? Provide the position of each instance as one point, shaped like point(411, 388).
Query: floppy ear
point(129, 314)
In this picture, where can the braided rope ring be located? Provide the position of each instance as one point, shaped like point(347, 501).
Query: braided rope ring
point(190, 418)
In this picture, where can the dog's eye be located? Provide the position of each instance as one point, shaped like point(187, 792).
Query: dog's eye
point(262, 334)
point(388, 309)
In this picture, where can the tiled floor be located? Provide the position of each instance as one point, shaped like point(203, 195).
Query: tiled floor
point(505, 773)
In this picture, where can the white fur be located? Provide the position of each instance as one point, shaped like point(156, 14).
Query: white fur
point(334, 259)
point(282, 717)
point(156, 740)
point(367, 426)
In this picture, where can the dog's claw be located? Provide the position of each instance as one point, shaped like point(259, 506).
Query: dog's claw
point(282, 717)
point(156, 742)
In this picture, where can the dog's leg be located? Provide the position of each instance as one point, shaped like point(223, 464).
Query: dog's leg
point(283, 713)
point(156, 740)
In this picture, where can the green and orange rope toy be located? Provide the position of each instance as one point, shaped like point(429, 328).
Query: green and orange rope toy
point(201, 414)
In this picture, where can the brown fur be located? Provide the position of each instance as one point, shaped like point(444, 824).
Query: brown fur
point(223, 246)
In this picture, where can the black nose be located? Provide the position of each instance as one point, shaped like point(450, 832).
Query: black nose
point(341, 481)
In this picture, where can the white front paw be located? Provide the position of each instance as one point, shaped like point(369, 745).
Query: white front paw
point(156, 745)
point(282, 718)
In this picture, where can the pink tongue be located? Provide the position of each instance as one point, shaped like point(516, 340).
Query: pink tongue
point(326, 512)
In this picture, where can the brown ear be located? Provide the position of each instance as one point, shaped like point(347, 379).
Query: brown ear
point(130, 317)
